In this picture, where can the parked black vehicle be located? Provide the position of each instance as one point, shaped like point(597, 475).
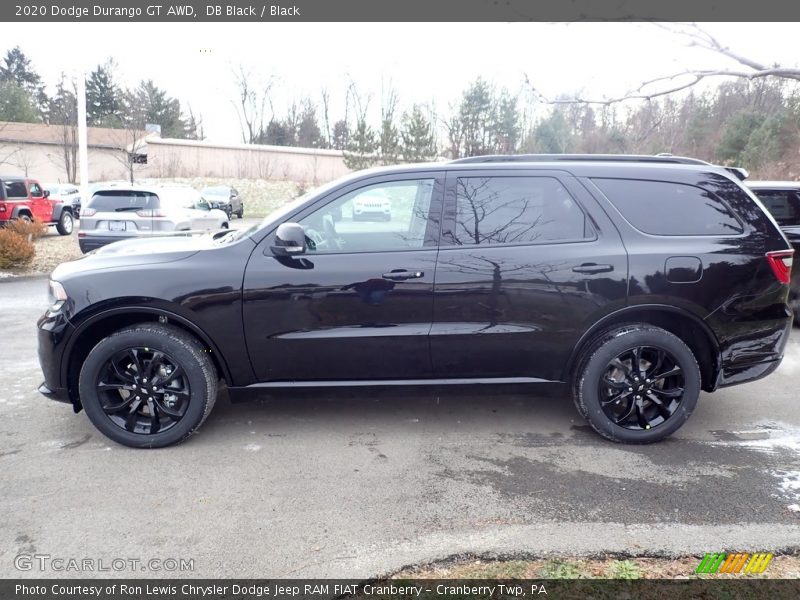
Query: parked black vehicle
point(634, 282)
point(224, 197)
point(782, 200)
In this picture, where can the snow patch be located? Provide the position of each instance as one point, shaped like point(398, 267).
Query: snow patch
point(769, 437)
point(252, 447)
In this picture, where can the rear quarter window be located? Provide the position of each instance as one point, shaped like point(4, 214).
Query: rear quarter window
point(669, 208)
point(123, 200)
point(15, 189)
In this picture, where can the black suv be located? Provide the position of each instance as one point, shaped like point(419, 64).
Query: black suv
point(635, 281)
point(782, 199)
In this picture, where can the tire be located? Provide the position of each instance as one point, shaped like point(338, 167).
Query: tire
point(25, 217)
point(66, 224)
point(225, 225)
point(190, 395)
point(240, 214)
point(598, 382)
point(229, 212)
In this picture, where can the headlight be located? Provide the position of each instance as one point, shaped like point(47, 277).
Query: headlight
point(58, 295)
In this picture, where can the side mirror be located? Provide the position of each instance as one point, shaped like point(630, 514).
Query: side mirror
point(290, 239)
point(47, 193)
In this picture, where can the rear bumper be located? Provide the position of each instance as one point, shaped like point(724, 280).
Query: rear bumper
point(89, 243)
point(755, 357)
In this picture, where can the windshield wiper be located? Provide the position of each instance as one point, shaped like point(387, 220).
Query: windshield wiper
point(127, 208)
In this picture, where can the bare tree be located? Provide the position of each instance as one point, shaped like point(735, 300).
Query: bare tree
point(7, 151)
point(130, 138)
point(251, 104)
point(326, 121)
point(25, 161)
point(693, 35)
point(64, 115)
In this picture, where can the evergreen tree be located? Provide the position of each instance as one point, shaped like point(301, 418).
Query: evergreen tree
point(309, 134)
point(103, 103)
point(340, 135)
point(16, 69)
point(418, 144)
point(361, 147)
point(16, 104)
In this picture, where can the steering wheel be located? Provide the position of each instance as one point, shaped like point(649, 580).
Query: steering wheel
point(315, 238)
point(330, 232)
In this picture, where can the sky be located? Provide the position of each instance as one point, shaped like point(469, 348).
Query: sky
point(427, 63)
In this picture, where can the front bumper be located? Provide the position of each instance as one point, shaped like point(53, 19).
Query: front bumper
point(53, 330)
point(58, 394)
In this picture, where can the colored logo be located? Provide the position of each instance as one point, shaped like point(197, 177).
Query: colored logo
point(740, 562)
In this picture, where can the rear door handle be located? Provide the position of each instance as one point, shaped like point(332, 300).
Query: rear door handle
point(401, 274)
point(593, 268)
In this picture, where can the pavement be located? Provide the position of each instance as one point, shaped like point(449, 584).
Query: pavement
point(358, 484)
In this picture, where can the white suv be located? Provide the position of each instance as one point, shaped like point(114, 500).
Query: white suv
point(373, 205)
point(117, 213)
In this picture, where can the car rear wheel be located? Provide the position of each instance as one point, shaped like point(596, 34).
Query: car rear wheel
point(65, 223)
point(637, 384)
point(25, 217)
point(148, 386)
point(240, 213)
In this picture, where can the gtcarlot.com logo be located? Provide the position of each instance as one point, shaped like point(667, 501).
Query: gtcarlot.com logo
point(48, 562)
point(729, 562)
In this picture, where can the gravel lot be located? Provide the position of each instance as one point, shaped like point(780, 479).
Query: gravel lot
point(362, 483)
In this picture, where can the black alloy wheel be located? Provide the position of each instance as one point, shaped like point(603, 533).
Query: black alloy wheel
point(636, 383)
point(143, 390)
point(148, 385)
point(641, 388)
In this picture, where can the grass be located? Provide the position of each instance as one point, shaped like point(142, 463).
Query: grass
point(781, 567)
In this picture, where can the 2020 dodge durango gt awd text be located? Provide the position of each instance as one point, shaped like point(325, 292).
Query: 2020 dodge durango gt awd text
point(633, 282)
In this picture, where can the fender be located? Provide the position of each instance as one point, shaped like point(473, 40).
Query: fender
point(152, 311)
point(21, 208)
point(632, 309)
point(58, 209)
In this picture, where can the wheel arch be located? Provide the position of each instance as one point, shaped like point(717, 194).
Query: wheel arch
point(58, 209)
point(95, 328)
point(20, 209)
point(691, 329)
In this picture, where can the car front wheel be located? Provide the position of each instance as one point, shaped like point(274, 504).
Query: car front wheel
point(637, 384)
point(148, 386)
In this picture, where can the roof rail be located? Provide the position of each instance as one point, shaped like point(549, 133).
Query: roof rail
point(661, 158)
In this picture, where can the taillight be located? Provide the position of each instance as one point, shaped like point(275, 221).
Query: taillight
point(150, 212)
point(2, 207)
point(88, 212)
point(781, 263)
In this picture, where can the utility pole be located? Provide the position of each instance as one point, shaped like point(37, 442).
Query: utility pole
point(83, 139)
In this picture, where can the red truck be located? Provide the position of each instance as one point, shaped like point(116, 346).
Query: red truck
point(23, 198)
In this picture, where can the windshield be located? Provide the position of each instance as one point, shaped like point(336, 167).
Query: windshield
point(215, 191)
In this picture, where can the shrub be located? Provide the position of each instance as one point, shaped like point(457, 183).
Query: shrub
point(28, 229)
point(15, 250)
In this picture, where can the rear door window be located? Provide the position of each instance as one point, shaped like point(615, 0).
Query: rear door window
point(669, 208)
point(783, 204)
point(515, 210)
point(123, 200)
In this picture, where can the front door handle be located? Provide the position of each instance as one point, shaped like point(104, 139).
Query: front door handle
point(593, 268)
point(401, 274)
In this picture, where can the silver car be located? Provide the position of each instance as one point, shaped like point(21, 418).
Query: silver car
point(117, 213)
